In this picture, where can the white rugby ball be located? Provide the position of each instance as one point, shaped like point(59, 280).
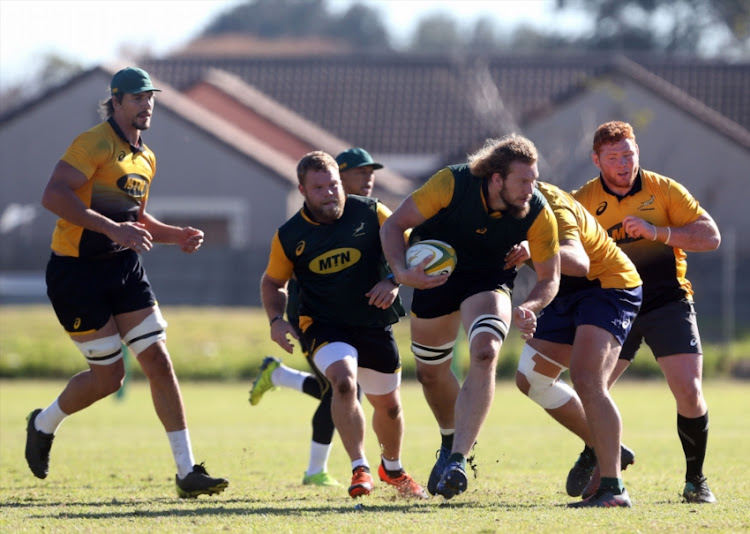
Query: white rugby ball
point(443, 256)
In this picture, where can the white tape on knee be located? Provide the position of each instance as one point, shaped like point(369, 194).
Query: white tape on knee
point(547, 392)
point(491, 324)
point(147, 333)
point(433, 355)
point(102, 351)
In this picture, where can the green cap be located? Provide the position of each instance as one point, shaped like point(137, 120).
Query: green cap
point(131, 80)
point(355, 157)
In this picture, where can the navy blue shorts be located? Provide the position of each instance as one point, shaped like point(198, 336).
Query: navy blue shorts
point(86, 292)
point(446, 299)
point(376, 347)
point(613, 310)
point(667, 330)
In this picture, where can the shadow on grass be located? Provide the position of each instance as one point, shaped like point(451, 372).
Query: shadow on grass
point(164, 508)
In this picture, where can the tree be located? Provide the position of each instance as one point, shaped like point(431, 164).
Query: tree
point(360, 26)
point(704, 27)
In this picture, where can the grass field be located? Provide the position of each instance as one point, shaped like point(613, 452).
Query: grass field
point(111, 469)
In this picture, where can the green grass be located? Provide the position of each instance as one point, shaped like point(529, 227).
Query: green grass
point(111, 469)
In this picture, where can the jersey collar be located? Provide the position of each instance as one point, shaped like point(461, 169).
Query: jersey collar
point(121, 135)
point(636, 188)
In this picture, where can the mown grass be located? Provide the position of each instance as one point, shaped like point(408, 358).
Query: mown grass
point(229, 343)
point(112, 471)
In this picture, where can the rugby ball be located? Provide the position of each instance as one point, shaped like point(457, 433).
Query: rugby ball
point(443, 256)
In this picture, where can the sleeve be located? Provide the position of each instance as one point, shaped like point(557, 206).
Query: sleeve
point(279, 266)
point(88, 152)
point(683, 207)
point(436, 194)
point(542, 236)
point(383, 212)
point(567, 224)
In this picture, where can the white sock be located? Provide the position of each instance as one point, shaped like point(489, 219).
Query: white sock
point(392, 465)
point(288, 378)
point(360, 462)
point(50, 418)
point(182, 451)
point(447, 431)
point(318, 458)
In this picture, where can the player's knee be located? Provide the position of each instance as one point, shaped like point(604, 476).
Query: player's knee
point(394, 411)
point(344, 386)
point(428, 375)
point(484, 355)
point(155, 362)
point(111, 383)
point(147, 333)
point(522, 383)
point(548, 392)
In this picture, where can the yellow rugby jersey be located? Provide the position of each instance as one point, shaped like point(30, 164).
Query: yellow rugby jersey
point(660, 201)
point(119, 176)
point(453, 202)
point(608, 264)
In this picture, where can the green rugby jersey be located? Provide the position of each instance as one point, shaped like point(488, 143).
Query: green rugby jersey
point(456, 210)
point(335, 265)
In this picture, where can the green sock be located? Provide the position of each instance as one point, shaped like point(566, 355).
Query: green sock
point(457, 457)
point(614, 485)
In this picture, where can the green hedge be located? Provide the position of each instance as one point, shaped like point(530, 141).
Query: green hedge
point(230, 343)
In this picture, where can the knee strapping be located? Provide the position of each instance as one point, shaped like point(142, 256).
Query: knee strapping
point(547, 392)
point(433, 355)
point(102, 351)
point(147, 333)
point(491, 324)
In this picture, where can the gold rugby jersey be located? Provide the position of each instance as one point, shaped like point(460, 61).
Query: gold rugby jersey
point(119, 176)
point(608, 264)
point(660, 201)
point(454, 204)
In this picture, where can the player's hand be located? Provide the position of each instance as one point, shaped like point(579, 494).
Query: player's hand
point(517, 255)
point(132, 235)
point(382, 294)
point(279, 330)
point(637, 227)
point(190, 239)
point(525, 320)
point(416, 277)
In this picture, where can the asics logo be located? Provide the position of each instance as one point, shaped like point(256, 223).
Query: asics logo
point(600, 209)
point(693, 342)
point(621, 324)
point(481, 231)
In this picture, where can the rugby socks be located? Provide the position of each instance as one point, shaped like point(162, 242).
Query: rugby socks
point(361, 462)
point(49, 419)
point(393, 468)
point(311, 386)
point(446, 438)
point(613, 485)
point(182, 451)
point(694, 437)
point(319, 453)
point(459, 458)
point(288, 378)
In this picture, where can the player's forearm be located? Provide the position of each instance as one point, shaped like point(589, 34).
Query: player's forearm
point(698, 236)
point(541, 294)
point(273, 297)
point(64, 203)
point(394, 247)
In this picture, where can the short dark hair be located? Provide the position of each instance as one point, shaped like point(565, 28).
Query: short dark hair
point(497, 154)
point(315, 161)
